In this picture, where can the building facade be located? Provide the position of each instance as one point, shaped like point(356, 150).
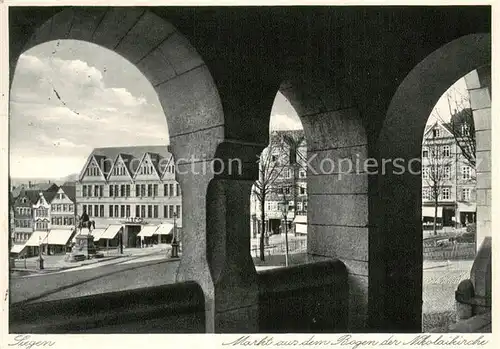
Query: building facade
point(284, 175)
point(447, 173)
point(124, 189)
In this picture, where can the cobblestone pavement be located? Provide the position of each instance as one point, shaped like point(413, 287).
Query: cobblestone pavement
point(440, 280)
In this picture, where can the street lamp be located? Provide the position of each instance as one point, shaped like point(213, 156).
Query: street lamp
point(175, 244)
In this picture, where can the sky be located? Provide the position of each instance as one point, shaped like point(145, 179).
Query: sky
point(104, 101)
point(68, 97)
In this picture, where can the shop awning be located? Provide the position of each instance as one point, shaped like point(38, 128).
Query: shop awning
point(36, 238)
point(429, 212)
point(147, 230)
point(301, 228)
point(300, 219)
point(164, 229)
point(17, 248)
point(110, 232)
point(58, 237)
point(97, 233)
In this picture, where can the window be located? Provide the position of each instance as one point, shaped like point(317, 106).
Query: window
point(111, 210)
point(150, 190)
point(299, 206)
point(302, 190)
point(447, 172)
point(117, 213)
point(101, 210)
point(127, 210)
point(466, 173)
point(122, 190)
point(446, 151)
point(435, 132)
point(65, 221)
point(268, 206)
point(466, 194)
point(165, 189)
point(171, 211)
point(137, 210)
point(111, 191)
point(84, 191)
point(89, 190)
point(101, 191)
point(445, 194)
point(302, 174)
point(143, 211)
point(287, 190)
point(178, 210)
point(426, 194)
point(122, 210)
point(425, 173)
point(150, 211)
point(96, 210)
point(96, 190)
point(165, 211)
point(155, 190)
point(286, 173)
point(274, 157)
point(155, 211)
point(59, 208)
point(465, 130)
point(127, 190)
point(178, 190)
point(171, 189)
point(143, 190)
point(137, 190)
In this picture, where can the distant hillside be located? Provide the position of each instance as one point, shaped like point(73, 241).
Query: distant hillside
point(17, 182)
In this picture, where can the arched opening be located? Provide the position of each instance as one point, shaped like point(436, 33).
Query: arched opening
point(186, 93)
point(399, 228)
point(278, 207)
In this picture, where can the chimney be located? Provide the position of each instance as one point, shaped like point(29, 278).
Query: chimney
point(29, 184)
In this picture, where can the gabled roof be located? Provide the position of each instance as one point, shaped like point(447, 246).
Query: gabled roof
point(70, 191)
point(98, 160)
point(154, 159)
point(126, 159)
point(31, 195)
point(430, 127)
point(167, 163)
point(131, 155)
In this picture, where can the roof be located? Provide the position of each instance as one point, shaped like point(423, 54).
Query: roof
point(131, 155)
point(49, 195)
point(70, 191)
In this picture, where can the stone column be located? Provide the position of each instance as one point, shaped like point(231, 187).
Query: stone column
point(479, 87)
point(216, 238)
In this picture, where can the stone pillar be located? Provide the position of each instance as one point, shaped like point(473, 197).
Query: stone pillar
point(216, 238)
point(337, 213)
point(479, 87)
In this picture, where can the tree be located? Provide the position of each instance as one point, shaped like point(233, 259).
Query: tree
point(270, 168)
point(295, 159)
point(461, 125)
point(437, 171)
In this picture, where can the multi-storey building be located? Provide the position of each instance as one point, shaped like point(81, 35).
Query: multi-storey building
point(131, 194)
point(32, 218)
point(281, 198)
point(446, 172)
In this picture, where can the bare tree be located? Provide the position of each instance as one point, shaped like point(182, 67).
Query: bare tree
point(437, 171)
point(296, 160)
point(270, 168)
point(461, 125)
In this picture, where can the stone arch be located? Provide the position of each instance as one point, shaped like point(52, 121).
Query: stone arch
point(397, 248)
point(338, 195)
point(187, 93)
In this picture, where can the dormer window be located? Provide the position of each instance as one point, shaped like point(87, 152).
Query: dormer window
point(435, 132)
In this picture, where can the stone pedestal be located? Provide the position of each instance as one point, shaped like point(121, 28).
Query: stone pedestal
point(84, 247)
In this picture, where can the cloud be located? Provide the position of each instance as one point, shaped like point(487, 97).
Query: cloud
point(285, 122)
point(63, 108)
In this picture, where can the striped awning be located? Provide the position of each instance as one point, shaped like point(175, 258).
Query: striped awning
point(147, 230)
